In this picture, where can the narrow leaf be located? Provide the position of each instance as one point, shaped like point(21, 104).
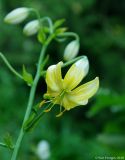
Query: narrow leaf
point(27, 77)
point(58, 23)
point(41, 36)
point(34, 118)
point(60, 30)
point(32, 122)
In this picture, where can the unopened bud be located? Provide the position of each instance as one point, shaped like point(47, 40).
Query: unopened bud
point(71, 50)
point(17, 15)
point(31, 28)
point(43, 150)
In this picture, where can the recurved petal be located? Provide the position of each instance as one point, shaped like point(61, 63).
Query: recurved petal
point(76, 73)
point(68, 103)
point(54, 77)
point(85, 91)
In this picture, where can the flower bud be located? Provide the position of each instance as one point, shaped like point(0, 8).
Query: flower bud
point(43, 150)
point(31, 28)
point(17, 15)
point(71, 50)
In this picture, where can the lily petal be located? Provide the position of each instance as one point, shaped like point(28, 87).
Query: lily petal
point(68, 102)
point(50, 93)
point(76, 73)
point(54, 77)
point(85, 91)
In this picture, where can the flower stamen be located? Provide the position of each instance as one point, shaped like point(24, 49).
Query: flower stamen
point(61, 113)
point(48, 110)
point(42, 103)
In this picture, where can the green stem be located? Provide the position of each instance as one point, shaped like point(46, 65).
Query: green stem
point(9, 66)
point(72, 61)
point(31, 98)
point(6, 146)
point(50, 24)
point(37, 13)
point(43, 19)
point(69, 34)
point(3, 145)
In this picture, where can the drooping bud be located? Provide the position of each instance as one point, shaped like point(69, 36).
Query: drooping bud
point(31, 28)
point(71, 50)
point(17, 15)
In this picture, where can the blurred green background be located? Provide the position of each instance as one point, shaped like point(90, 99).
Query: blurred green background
point(97, 129)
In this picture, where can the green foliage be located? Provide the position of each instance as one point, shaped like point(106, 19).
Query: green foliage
point(8, 141)
point(41, 36)
point(27, 76)
point(60, 30)
point(58, 23)
point(34, 118)
point(92, 130)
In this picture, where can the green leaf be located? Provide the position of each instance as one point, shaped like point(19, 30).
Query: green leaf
point(46, 29)
point(34, 118)
point(60, 30)
point(29, 121)
point(41, 36)
point(36, 108)
point(8, 141)
point(58, 23)
point(32, 121)
point(27, 76)
point(28, 124)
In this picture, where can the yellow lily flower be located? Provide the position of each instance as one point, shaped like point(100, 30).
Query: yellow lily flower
point(63, 91)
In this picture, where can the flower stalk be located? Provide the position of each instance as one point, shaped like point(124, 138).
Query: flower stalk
point(69, 34)
point(31, 98)
point(9, 66)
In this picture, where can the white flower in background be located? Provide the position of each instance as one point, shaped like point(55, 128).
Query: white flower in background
point(17, 15)
point(71, 50)
point(31, 28)
point(43, 150)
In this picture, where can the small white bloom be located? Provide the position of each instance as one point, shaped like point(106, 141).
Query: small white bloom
point(31, 28)
point(43, 150)
point(17, 15)
point(71, 50)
